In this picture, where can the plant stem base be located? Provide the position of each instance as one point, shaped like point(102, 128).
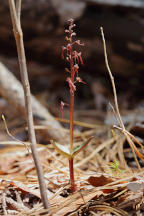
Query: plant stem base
point(72, 181)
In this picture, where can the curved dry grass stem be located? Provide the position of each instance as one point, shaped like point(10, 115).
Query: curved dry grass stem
point(10, 135)
point(116, 110)
point(112, 81)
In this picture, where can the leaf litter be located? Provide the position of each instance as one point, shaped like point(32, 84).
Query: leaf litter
point(101, 190)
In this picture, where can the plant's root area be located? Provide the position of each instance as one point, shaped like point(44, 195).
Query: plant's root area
point(106, 174)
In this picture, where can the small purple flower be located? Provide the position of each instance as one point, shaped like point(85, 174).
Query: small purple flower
point(71, 85)
point(62, 104)
point(78, 42)
point(76, 67)
point(62, 54)
point(78, 79)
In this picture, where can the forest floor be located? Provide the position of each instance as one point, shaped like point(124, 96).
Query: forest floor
point(106, 174)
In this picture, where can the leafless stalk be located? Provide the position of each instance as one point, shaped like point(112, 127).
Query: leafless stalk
point(116, 110)
point(112, 81)
point(18, 9)
point(15, 10)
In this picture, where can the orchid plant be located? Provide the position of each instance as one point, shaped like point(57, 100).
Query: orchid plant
point(74, 58)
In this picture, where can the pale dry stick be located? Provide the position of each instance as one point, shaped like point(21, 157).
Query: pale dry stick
point(116, 101)
point(120, 145)
point(82, 124)
point(133, 151)
point(132, 136)
point(46, 127)
point(133, 148)
point(120, 149)
point(18, 10)
point(120, 152)
point(112, 81)
point(27, 94)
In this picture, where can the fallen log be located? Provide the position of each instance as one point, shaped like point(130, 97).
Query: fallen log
point(11, 89)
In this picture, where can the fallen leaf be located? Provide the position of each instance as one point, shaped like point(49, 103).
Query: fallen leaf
point(100, 181)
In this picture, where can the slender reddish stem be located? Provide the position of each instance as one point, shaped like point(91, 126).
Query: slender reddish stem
point(71, 98)
point(71, 121)
point(72, 181)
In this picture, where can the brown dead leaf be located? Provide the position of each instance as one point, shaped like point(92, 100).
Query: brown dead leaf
point(101, 181)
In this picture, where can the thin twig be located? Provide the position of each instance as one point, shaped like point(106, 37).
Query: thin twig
point(116, 101)
point(15, 16)
point(18, 9)
point(112, 81)
point(132, 136)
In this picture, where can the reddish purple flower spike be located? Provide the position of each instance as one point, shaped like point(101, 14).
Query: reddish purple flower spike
point(74, 58)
